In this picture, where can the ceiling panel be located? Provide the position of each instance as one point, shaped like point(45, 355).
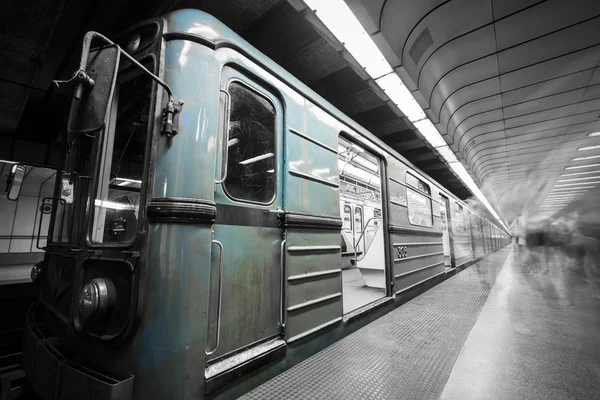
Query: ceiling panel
point(544, 103)
point(476, 71)
point(433, 24)
point(454, 54)
point(547, 47)
point(545, 18)
point(550, 87)
point(502, 8)
point(471, 109)
point(559, 66)
point(466, 95)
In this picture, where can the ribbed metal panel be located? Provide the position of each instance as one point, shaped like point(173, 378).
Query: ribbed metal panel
point(313, 280)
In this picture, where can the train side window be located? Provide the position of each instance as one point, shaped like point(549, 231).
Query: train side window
point(419, 202)
point(458, 219)
point(358, 227)
point(251, 159)
point(347, 222)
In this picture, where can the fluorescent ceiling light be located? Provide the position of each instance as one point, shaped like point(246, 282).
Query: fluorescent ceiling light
point(570, 196)
point(578, 179)
point(448, 155)
point(581, 173)
point(588, 148)
point(584, 158)
point(232, 142)
point(257, 158)
point(400, 95)
point(573, 190)
point(593, 134)
point(358, 174)
point(339, 19)
point(113, 205)
point(583, 166)
point(577, 184)
point(430, 133)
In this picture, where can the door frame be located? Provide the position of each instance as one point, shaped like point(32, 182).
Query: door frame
point(270, 210)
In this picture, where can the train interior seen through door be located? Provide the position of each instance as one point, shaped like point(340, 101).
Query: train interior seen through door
point(362, 236)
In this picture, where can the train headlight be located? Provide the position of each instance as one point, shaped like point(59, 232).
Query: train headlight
point(36, 271)
point(96, 300)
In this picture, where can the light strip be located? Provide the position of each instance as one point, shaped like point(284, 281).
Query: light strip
point(585, 158)
point(562, 196)
point(257, 158)
point(400, 95)
point(581, 173)
point(578, 179)
point(113, 205)
point(583, 166)
point(589, 148)
point(593, 134)
point(577, 184)
point(574, 190)
point(343, 24)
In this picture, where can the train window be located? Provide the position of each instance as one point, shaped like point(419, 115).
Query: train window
point(358, 222)
point(347, 218)
point(458, 219)
point(419, 205)
point(116, 203)
point(251, 159)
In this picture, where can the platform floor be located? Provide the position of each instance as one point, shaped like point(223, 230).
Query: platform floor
point(13, 274)
point(497, 330)
point(356, 293)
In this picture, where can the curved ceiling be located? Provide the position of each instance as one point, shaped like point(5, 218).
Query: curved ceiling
point(512, 85)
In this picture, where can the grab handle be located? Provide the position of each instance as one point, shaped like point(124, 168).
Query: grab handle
point(221, 252)
point(225, 145)
point(281, 293)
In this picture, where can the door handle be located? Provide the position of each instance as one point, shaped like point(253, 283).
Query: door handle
point(221, 253)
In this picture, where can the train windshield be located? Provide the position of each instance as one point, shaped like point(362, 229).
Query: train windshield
point(119, 169)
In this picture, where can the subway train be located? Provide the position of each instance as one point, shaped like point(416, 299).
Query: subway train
point(216, 222)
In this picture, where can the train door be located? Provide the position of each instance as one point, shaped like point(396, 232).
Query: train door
point(363, 257)
point(246, 277)
point(447, 231)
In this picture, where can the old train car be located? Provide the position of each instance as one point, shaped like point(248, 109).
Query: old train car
point(216, 222)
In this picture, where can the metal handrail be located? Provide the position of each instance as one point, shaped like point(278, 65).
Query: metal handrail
point(359, 238)
point(281, 292)
point(221, 252)
point(368, 247)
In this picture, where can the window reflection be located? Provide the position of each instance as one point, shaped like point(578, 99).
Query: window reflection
point(251, 170)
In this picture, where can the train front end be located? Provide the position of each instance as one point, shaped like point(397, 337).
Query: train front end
point(116, 287)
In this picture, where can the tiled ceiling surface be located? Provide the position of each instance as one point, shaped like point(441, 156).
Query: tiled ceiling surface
point(40, 41)
point(512, 85)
